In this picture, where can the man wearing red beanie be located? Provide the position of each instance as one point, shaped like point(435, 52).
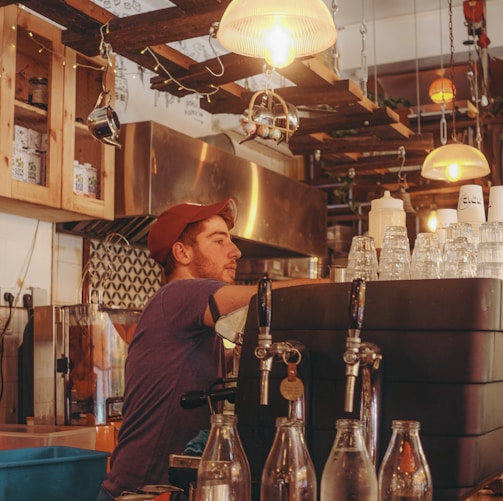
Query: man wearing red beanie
point(175, 348)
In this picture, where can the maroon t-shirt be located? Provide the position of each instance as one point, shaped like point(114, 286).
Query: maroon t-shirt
point(172, 352)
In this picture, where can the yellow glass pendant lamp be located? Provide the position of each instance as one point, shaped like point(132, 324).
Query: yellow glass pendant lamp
point(455, 162)
point(277, 30)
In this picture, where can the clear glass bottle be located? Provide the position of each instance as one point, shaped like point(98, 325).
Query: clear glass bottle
point(404, 473)
point(224, 472)
point(288, 473)
point(349, 472)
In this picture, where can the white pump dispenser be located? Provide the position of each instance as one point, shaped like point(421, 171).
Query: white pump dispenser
point(385, 211)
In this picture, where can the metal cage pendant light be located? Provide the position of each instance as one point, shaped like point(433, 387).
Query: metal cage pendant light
point(441, 90)
point(456, 161)
point(277, 30)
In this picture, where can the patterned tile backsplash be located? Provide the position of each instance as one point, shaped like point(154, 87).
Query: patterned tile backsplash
point(120, 275)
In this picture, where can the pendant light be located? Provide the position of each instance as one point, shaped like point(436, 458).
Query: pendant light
point(441, 90)
point(277, 30)
point(456, 161)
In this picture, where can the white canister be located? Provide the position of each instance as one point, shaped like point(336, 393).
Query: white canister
point(385, 211)
point(495, 209)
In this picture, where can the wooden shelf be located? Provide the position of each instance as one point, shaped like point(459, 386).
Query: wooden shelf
point(30, 116)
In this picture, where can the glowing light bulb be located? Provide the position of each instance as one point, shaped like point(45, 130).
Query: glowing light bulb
point(432, 221)
point(279, 47)
point(453, 172)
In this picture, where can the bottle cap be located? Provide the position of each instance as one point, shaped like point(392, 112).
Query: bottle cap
point(387, 202)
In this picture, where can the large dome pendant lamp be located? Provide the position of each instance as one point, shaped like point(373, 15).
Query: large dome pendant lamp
point(456, 161)
point(277, 30)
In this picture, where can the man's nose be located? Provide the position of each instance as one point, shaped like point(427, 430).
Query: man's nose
point(235, 252)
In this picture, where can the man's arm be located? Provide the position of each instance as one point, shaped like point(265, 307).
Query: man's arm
point(232, 297)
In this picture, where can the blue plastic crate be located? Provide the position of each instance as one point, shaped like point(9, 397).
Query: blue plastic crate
point(51, 474)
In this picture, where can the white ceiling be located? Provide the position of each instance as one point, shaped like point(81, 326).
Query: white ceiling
point(350, 11)
point(392, 29)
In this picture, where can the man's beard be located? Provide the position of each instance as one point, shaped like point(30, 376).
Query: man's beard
point(204, 268)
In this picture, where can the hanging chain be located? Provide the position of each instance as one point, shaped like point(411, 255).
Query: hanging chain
point(473, 78)
point(364, 67)
point(418, 94)
point(374, 41)
point(401, 176)
point(443, 121)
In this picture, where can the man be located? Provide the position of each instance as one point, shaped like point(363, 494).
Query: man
point(175, 349)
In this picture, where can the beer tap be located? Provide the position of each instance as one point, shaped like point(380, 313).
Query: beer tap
point(353, 341)
point(263, 350)
point(367, 357)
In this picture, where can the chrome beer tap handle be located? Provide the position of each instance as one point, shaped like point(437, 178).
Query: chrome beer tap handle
point(370, 361)
point(353, 341)
point(263, 351)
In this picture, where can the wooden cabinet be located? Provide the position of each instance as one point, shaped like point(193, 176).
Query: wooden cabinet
point(37, 171)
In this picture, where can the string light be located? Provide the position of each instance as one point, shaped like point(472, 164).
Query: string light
point(43, 47)
point(171, 78)
point(106, 48)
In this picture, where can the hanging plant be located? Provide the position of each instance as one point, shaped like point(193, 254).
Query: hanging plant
point(389, 101)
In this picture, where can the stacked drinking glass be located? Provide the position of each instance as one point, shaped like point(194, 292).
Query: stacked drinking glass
point(362, 259)
point(490, 250)
point(426, 261)
point(394, 261)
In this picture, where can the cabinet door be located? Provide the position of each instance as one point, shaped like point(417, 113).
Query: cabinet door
point(31, 115)
point(84, 157)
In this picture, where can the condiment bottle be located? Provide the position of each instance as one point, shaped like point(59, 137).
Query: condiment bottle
point(404, 473)
point(224, 471)
point(288, 473)
point(385, 211)
point(349, 472)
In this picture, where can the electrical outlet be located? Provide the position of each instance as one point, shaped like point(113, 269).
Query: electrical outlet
point(15, 293)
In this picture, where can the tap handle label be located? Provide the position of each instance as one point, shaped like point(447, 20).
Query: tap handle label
point(291, 388)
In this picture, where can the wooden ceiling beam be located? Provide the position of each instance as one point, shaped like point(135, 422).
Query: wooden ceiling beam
point(149, 28)
point(362, 143)
point(199, 77)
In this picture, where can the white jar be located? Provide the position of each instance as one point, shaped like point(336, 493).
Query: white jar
point(385, 211)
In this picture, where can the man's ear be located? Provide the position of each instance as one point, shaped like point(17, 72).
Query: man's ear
point(182, 253)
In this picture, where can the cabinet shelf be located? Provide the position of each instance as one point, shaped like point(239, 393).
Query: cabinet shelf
point(30, 116)
point(71, 93)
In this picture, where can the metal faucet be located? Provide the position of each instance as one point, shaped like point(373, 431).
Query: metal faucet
point(366, 356)
point(268, 352)
point(262, 351)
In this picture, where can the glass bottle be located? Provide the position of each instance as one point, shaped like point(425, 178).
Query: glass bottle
point(349, 472)
point(224, 472)
point(288, 473)
point(404, 473)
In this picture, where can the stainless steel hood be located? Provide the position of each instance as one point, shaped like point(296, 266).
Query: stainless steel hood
point(158, 167)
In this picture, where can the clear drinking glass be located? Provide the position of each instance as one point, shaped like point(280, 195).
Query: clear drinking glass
point(459, 259)
point(454, 230)
point(426, 257)
point(362, 259)
point(491, 232)
point(394, 261)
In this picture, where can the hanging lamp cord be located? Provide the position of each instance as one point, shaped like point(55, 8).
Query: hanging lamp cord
point(418, 95)
point(443, 121)
point(451, 42)
point(364, 66)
